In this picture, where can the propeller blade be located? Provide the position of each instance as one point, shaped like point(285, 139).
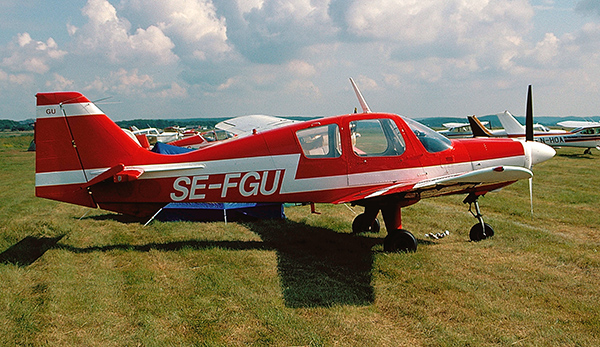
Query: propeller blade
point(531, 195)
point(529, 117)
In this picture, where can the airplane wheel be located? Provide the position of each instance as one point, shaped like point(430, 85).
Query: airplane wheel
point(361, 225)
point(477, 233)
point(400, 241)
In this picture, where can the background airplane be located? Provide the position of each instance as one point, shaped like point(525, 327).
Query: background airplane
point(84, 158)
point(574, 124)
point(457, 130)
point(587, 137)
point(246, 125)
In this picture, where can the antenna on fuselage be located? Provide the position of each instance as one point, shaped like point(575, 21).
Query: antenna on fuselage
point(361, 99)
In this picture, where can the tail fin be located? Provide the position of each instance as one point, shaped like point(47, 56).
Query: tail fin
point(510, 124)
point(75, 143)
point(478, 129)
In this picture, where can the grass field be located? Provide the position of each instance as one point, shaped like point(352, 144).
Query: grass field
point(104, 280)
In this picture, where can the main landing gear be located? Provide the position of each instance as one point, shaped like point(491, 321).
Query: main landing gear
point(401, 240)
point(397, 239)
point(481, 230)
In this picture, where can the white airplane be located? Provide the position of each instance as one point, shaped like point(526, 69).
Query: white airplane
point(154, 135)
point(574, 124)
point(457, 130)
point(247, 125)
point(587, 138)
point(513, 128)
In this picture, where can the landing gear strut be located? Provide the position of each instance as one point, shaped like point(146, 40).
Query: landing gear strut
point(397, 239)
point(481, 230)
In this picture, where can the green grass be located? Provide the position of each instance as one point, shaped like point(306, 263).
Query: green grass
point(105, 281)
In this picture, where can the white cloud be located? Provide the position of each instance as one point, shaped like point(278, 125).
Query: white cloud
point(192, 24)
point(413, 30)
point(248, 5)
point(106, 34)
point(301, 68)
point(547, 49)
point(276, 31)
point(60, 83)
point(123, 82)
point(304, 88)
point(175, 91)
point(28, 55)
point(366, 83)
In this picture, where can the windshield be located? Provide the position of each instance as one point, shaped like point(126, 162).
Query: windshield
point(431, 139)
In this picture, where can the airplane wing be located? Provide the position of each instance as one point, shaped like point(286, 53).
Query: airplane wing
point(440, 185)
point(244, 125)
point(456, 125)
point(577, 124)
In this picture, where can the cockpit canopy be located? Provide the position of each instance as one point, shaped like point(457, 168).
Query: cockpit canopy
point(431, 140)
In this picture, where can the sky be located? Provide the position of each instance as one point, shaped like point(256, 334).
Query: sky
point(226, 58)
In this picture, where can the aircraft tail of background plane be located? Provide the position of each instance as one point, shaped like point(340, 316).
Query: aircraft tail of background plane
point(477, 128)
point(77, 145)
point(511, 124)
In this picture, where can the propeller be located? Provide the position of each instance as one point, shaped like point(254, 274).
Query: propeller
point(529, 137)
point(529, 117)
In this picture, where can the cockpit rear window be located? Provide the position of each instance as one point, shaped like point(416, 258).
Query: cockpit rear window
point(320, 142)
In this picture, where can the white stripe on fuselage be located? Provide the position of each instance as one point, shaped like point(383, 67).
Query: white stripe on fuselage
point(287, 163)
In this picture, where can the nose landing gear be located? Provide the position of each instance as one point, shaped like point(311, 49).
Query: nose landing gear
point(481, 230)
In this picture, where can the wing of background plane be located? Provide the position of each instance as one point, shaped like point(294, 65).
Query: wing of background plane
point(578, 124)
point(491, 177)
point(245, 125)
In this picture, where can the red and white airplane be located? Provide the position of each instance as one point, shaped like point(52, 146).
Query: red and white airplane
point(381, 161)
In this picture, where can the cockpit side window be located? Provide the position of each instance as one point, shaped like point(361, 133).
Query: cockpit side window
point(431, 139)
point(320, 142)
point(376, 137)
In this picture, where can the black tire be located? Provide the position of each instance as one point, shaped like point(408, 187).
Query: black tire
point(477, 234)
point(400, 241)
point(362, 225)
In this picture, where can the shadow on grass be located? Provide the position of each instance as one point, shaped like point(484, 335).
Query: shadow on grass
point(28, 250)
point(318, 267)
point(576, 156)
point(121, 218)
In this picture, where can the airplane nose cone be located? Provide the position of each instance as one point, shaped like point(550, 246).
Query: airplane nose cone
point(538, 152)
